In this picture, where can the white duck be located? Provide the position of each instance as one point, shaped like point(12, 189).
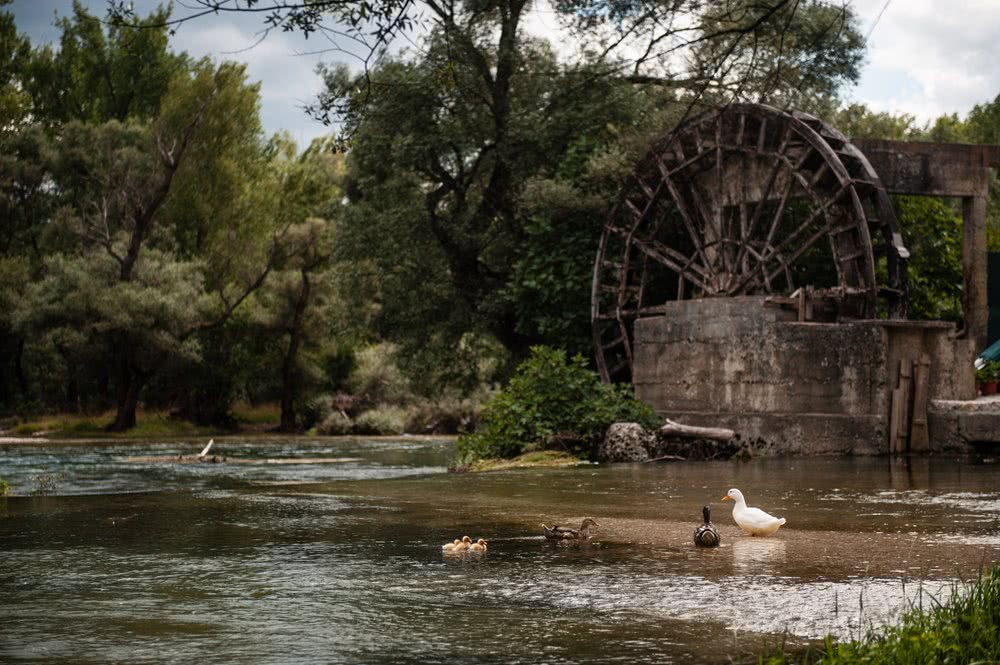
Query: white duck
point(753, 521)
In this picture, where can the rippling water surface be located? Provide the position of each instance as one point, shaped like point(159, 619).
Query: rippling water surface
point(126, 561)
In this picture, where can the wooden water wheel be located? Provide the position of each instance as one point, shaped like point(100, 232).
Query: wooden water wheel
point(741, 200)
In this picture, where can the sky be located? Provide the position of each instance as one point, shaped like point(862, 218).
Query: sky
point(924, 58)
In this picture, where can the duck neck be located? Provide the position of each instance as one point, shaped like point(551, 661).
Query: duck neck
point(739, 502)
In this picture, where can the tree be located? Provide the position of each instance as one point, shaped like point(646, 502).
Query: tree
point(97, 75)
point(459, 128)
point(298, 303)
point(119, 281)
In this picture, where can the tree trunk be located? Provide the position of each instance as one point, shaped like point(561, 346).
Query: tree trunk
point(130, 383)
point(128, 402)
point(289, 367)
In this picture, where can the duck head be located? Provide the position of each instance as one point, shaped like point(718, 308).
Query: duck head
point(466, 540)
point(735, 495)
point(588, 523)
point(707, 513)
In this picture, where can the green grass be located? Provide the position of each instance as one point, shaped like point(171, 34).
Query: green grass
point(69, 426)
point(258, 414)
point(965, 629)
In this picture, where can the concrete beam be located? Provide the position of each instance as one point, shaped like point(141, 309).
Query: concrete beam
point(931, 169)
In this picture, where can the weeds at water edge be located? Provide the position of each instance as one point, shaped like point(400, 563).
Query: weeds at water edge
point(963, 629)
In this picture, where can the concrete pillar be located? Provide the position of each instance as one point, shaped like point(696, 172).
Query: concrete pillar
point(974, 304)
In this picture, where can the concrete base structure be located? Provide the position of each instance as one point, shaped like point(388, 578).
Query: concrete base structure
point(790, 387)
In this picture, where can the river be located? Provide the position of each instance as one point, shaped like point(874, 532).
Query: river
point(159, 562)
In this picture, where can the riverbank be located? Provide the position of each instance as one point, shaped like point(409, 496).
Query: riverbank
point(151, 423)
point(964, 629)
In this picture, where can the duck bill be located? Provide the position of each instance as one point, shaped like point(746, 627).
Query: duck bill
point(726, 498)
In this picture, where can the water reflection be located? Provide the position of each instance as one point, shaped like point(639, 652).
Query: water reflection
point(758, 556)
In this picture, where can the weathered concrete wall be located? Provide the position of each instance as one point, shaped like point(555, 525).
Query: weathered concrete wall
point(813, 388)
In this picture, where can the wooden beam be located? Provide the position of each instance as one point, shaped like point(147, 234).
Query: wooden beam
point(919, 440)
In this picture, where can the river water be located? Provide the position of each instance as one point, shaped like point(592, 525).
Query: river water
point(125, 561)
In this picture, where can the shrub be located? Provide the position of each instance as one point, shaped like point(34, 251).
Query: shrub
point(449, 414)
point(383, 420)
point(552, 401)
point(336, 424)
point(316, 409)
point(376, 378)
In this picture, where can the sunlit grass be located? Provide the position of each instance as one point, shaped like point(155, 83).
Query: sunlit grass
point(963, 629)
point(258, 414)
point(540, 458)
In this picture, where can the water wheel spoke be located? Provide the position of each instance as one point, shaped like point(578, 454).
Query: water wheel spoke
point(685, 213)
point(674, 260)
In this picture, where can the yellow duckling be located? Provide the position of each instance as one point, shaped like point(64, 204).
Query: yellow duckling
point(452, 547)
point(464, 545)
point(478, 546)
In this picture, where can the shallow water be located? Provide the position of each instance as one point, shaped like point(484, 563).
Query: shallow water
point(164, 562)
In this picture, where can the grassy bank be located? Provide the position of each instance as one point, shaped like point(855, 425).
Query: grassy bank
point(964, 629)
point(537, 459)
point(151, 423)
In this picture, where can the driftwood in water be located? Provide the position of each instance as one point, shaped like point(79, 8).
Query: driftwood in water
point(667, 458)
point(670, 428)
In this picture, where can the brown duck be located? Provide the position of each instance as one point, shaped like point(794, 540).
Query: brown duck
point(707, 535)
point(565, 533)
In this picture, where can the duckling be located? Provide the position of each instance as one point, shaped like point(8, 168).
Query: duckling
point(706, 535)
point(452, 547)
point(564, 533)
point(478, 546)
point(464, 545)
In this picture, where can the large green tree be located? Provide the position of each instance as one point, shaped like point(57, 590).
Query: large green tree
point(102, 72)
point(118, 279)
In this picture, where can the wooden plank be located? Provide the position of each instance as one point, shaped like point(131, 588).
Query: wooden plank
point(895, 413)
point(919, 439)
point(905, 380)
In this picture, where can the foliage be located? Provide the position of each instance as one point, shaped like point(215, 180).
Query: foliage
point(932, 231)
point(551, 397)
point(964, 629)
point(377, 380)
point(99, 74)
point(990, 371)
point(5, 489)
point(336, 424)
point(382, 420)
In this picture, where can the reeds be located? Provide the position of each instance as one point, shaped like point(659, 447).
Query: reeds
point(964, 629)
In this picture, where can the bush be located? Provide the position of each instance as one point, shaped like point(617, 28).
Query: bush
point(316, 409)
point(376, 378)
point(336, 424)
point(551, 401)
point(448, 414)
point(383, 420)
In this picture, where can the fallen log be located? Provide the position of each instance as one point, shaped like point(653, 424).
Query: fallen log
point(670, 428)
point(666, 458)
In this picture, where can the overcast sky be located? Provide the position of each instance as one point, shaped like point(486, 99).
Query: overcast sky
point(925, 57)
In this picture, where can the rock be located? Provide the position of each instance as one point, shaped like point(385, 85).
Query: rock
point(626, 442)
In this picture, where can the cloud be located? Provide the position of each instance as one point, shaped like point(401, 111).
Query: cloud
point(288, 78)
point(926, 58)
